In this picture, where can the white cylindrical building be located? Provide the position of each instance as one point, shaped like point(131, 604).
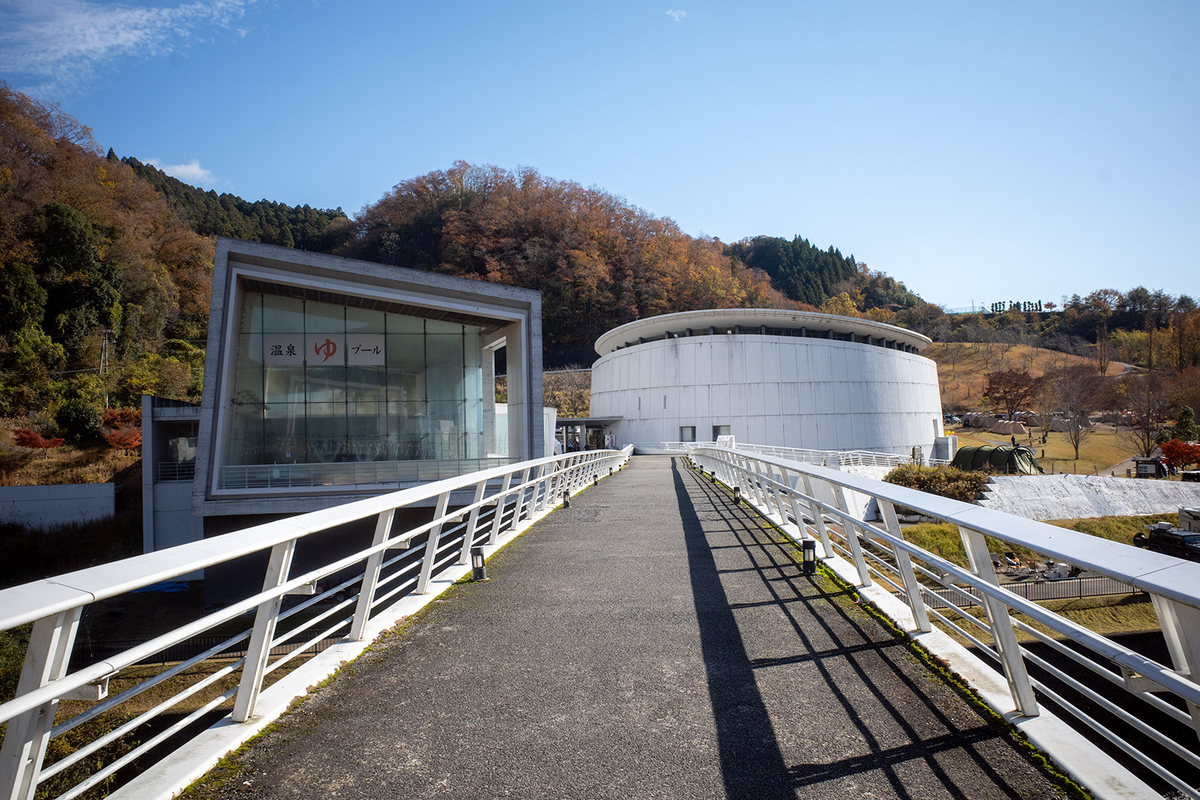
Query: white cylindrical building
point(768, 376)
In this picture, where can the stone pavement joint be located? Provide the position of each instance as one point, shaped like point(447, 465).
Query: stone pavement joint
point(652, 641)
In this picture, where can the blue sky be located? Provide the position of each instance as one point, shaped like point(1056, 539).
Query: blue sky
point(978, 152)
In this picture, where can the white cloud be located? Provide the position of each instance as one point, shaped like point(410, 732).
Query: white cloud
point(191, 172)
point(61, 43)
point(676, 14)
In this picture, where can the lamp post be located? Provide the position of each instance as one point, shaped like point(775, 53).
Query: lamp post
point(478, 565)
point(809, 547)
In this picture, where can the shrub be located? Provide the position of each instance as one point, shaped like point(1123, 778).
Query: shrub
point(122, 437)
point(78, 417)
point(949, 482)
point(1179, 454)
point(28, 438)
point(119, 417)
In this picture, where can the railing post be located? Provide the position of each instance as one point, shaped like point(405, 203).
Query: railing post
point(770, 499)
point(435, 533)
point(469, 534)
point(757, 470)
point(1181, 628)
point(366, 592)
point(519, 511)
point(501, 503)
point(818, 516)
point(1002, 629)
point(725, 462)
point(850, 530)
point(794, 503)
point(541, 490)
point(912, 588)
point(28, 734)
point(259, 650)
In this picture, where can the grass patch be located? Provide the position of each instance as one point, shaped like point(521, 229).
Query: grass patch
point(943, 539)
point(1105, 449)
point(1117, 529)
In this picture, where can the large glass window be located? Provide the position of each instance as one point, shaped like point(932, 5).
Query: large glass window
point(318, 382)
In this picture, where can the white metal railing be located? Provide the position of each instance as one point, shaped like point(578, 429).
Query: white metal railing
point(665, 447)
point(830, 458)
point(348, 473)
point(1150, 710)
point(373, 579)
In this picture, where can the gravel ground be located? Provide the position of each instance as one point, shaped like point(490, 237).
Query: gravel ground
point(652, 641)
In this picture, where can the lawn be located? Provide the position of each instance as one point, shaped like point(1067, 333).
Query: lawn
point(1098, 455)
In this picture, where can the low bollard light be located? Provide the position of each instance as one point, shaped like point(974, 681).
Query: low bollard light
point(809, 547)
point(478, 565)
point(566, 500)
point(595, 480)
point(737, 494)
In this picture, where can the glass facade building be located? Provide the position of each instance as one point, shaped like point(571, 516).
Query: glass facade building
point(328, 378)
point(320, 382)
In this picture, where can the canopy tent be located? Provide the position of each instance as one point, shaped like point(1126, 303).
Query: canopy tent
point(998, 458)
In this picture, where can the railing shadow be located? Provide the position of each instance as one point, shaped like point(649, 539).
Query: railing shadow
point(752, 761)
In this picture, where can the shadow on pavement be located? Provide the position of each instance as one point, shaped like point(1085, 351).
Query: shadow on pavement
point(860, 649)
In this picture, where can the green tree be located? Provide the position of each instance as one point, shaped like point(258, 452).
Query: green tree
point(1185, 429)
point(84, 292)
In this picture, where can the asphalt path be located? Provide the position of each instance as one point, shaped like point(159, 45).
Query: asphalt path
point(651, 641)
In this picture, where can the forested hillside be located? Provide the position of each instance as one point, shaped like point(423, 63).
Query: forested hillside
point(105, 269)
point(212, 214)
point(94, 265)
point(597, 260)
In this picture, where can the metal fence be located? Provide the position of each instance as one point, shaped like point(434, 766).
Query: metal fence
point(1063, 589)
point(367, 587)
point(1142, 711)
point(831, 458)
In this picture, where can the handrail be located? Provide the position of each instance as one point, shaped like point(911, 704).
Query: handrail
point(831, 458)
point(790, 493)
point(502, 500)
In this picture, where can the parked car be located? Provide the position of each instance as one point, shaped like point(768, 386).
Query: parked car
point(1162, 538)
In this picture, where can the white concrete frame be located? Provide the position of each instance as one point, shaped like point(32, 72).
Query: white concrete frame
point(515, 315)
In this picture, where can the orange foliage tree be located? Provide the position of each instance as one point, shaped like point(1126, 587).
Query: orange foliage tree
point(598, 261)
point(27, 438)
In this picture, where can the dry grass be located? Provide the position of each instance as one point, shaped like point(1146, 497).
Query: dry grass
point(89, 461)
point(962, 382)
point(1107, 616)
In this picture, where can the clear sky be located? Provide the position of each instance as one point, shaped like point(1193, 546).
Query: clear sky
point(976, 151)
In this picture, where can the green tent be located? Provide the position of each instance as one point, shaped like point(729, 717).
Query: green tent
point(1002, 458)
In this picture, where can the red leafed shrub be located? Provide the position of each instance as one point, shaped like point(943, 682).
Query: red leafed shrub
point(121, 417)
point(28, 438)
point(1179, 454)
point(123, 437)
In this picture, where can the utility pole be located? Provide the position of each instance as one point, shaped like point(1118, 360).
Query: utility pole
point(104, 363)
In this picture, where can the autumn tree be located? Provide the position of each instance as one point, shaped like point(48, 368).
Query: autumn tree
point(1101, 304)
point(1178, 454)
point(1074, 393)
point(34, 440)
point(842, 305)
point(598, 261)
point(1011, 389)
point(1144, 396)
point(569, 390)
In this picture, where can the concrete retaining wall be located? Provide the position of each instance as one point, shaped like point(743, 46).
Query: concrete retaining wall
point(1044, 497)
point(44, 507)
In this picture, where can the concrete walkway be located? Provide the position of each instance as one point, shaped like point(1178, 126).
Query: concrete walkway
point(652, 641)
